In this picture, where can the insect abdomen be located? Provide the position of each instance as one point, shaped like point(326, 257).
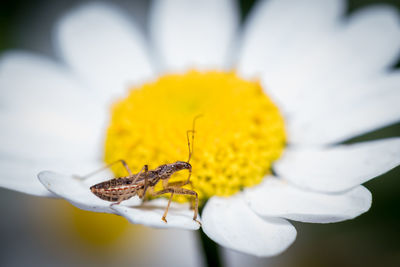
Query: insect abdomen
point(115, 190)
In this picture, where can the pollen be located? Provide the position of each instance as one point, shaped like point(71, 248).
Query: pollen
point(239, 135)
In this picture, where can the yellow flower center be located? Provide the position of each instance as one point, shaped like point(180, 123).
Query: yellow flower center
point(238, 137)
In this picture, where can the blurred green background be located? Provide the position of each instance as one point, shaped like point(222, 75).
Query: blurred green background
point(372, 239)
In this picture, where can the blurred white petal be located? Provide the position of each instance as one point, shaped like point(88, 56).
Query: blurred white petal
point(193, 34)
point(278, 34)
point(29, 81)
point(364, 47)
point(47, 119)
point(339, 168)
point(40, 101)
point(328, 65)
point(23, 135)
point(104, 47)
point(277, 198)
point(21, 176)
point(359, 110)
point(277, 27)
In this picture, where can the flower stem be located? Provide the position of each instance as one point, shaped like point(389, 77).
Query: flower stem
point(211, 251)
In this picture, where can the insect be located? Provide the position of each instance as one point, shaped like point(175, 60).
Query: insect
point(119, 189)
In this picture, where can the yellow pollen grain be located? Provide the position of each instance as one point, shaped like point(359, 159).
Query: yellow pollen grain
point(237, 139)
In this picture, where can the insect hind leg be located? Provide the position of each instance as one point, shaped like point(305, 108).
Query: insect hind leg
point(123, 162)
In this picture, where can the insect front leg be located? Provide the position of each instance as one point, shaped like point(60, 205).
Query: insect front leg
point(188, 179)
point(179, 191)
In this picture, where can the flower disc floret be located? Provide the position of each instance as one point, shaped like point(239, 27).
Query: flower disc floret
point(241, 131)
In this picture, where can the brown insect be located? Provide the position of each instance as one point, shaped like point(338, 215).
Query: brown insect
point(119, 189)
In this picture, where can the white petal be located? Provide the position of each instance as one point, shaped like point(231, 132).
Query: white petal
point(46, 120)
point(277, 198)
point(366, 46)
point(77, 192)
point(46, 136)
point(231, 223)
point(20, 174)
point(150, 213)
point(21, 177)
point(193, 34)
point(105, 48)
point(278, 35)
point(277, 27)
point(30, 81)
point(335, 169)
point(45, 114)
point(371, 107)
point(376, 33)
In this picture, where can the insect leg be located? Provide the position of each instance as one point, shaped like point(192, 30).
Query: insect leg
point(150, 192)
point(146, 181)
point(179, 191)
point(178, 184)
point(105, 167)
point(137, 176)
point(167, 190)
point(166, 210)
point(190, 174)
point(184, 191)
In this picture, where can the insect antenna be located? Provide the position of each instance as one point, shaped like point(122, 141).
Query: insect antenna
point(187, 136)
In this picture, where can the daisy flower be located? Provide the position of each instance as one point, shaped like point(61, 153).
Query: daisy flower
point(279, 97)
